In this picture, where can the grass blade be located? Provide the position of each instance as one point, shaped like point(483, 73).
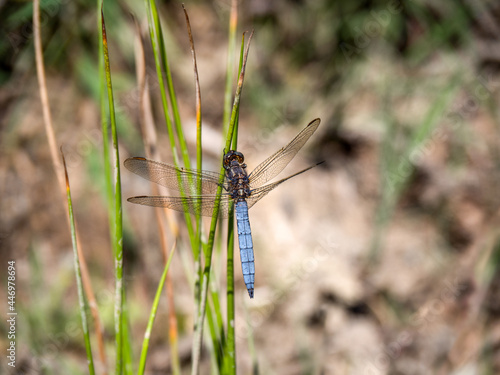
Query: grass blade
point(81, 297)
point(58, 169)
point(149, 136)
point(198, 155)
point(233, 22)
point(120, 340)
point(105, 124)
point(156, 38)
point(209, 247)
point(216, 325)
point(230, 347)
point(171, 91)
point(107, 171)
point(152, 316)
point(161, 63)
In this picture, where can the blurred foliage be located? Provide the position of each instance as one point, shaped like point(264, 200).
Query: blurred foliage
point(322, 41)
point(324, 37)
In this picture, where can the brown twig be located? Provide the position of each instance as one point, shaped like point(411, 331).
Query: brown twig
point(58, 169)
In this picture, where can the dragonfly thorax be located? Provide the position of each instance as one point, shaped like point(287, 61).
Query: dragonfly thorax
point(236, 175)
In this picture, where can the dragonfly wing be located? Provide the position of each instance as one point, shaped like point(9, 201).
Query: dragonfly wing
point(202, 204)
point(274, 164)
point(172, 177)
point(258, 193)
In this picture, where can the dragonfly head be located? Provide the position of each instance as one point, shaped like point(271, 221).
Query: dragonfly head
point(233, 155)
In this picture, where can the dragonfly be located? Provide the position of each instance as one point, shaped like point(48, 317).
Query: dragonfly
point(239, 187)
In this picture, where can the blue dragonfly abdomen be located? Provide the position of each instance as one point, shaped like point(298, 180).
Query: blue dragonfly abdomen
point(246, 245)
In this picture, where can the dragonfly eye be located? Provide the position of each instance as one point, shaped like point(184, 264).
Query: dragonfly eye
point(233, 155)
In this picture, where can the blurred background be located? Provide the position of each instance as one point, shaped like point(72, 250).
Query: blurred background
point(383, 260)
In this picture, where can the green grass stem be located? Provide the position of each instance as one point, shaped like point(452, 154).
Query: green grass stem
point(198, 244)
point(209, 246)
point(118, 228)
point(233, 23)
point(152, 316)
point(149, 136)
point(161, 63)
point(104, 122)
point(230, 347)
point(81, 296)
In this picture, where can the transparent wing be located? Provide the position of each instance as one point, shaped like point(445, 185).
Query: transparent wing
point(274, 164)
point(201, 204)
point(260, 192)
point(173, 177)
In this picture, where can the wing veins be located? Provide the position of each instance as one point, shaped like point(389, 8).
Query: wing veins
point(274, 164)
point(172, 177)
point(260, 192)
point(202, 204)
